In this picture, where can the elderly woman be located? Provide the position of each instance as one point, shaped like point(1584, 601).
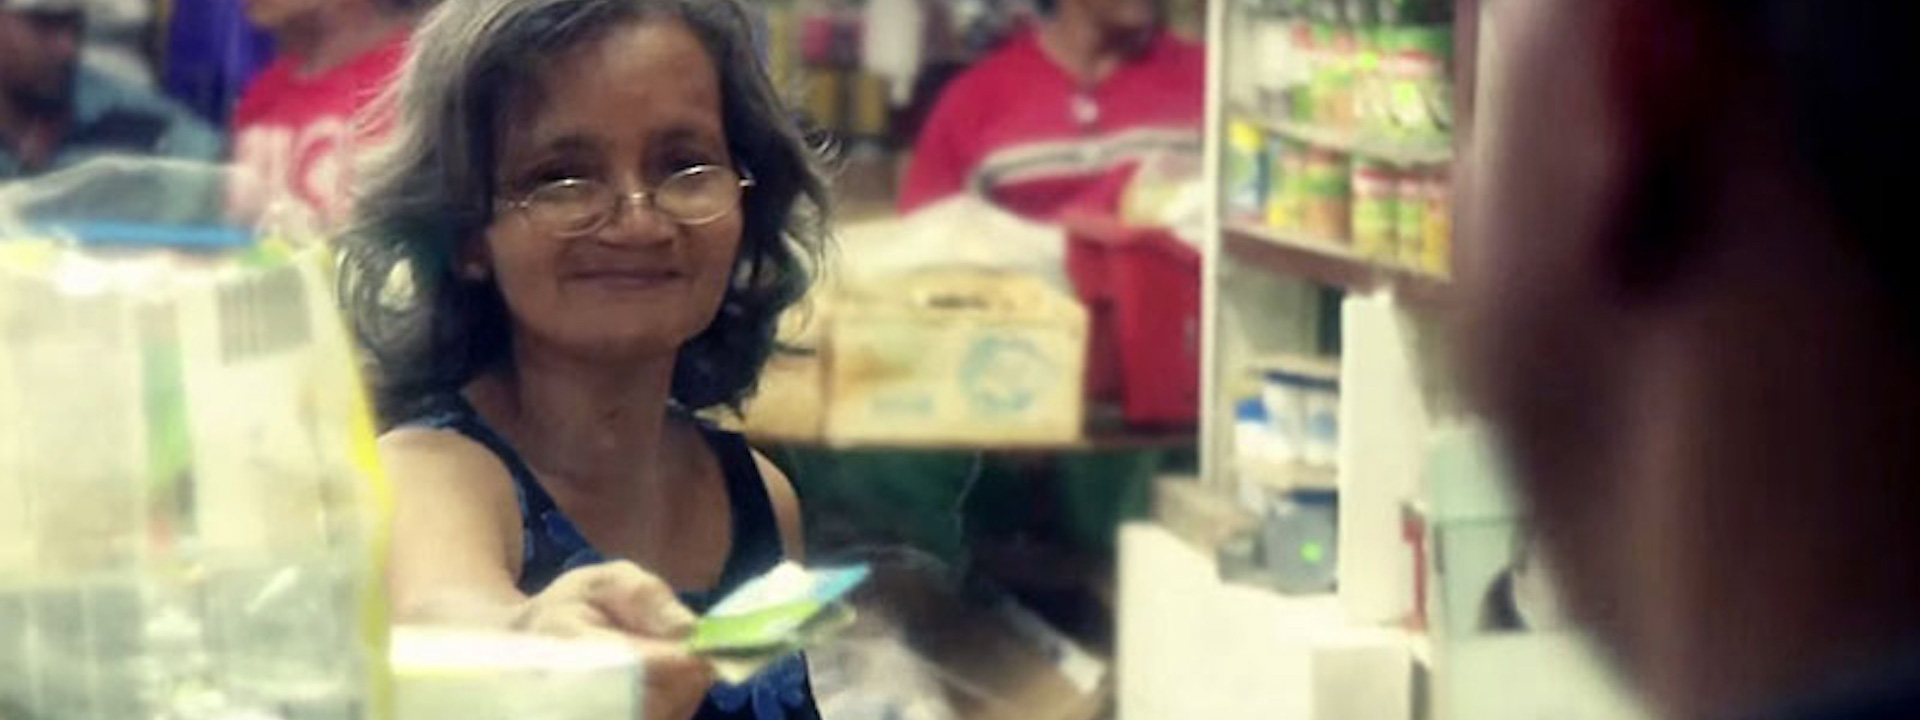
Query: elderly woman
point(588, 219)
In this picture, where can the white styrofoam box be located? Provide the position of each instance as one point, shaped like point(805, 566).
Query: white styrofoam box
point(1476, 536)
point(1361, 674)
point(1194, 647)
point(1383, 423)
point(1463, 478)
point(1470, 559)
point(441, 673)
point(1528, 676)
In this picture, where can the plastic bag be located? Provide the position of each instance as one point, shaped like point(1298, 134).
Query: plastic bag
point(964, 231)
point(158, 197)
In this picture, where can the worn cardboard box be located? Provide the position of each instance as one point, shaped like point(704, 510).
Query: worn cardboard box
point(790, 404)
point(955, 357)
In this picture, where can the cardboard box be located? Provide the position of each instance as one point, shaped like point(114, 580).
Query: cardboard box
point(791, 402)
point(955, 357)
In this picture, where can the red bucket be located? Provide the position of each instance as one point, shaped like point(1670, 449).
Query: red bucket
point(1142, 291)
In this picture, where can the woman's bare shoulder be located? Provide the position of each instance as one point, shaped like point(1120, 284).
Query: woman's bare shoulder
point(456, 519)
point(448, 466)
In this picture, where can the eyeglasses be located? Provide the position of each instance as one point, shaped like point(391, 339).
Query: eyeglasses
point(577, 206)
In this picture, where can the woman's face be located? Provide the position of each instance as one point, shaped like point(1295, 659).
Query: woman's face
point(627, 111)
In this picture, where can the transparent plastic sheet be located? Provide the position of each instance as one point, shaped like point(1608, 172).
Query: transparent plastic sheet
point(933, 642)
point(155, 192)
point(190, 506)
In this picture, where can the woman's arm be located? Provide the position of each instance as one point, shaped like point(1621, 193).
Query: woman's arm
point(456, 531)
point(456, 551)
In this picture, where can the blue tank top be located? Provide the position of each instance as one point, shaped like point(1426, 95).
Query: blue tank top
point(551, 545)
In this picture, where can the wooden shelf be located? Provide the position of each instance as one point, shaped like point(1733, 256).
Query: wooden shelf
point(1330, 263)
point(1396, 152)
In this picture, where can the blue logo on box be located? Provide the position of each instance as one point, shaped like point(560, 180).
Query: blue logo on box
point(1003, 376)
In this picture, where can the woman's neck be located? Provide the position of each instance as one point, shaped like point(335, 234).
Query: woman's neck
point(595, 429)
point(332, 37)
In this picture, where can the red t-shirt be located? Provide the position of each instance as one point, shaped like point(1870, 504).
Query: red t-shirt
point(294, 134)
point(1020, 130)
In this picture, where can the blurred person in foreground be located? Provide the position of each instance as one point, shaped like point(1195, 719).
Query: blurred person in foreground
point(56, 113)
point(1057, 110)
point(1689, 315)
point(602, 209)
point(296, 126)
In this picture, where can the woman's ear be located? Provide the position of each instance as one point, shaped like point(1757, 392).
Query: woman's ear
point(473, 263)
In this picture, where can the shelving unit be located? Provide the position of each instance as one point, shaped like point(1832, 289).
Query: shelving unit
point(1328, 262)
point(1293, 477)
point(1261, 274)
point(1390, 150)
point(1265, 295)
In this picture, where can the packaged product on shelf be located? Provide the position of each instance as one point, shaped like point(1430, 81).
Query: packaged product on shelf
point(1410, 220)
point(1376, 209)
point(1299, 543)
point(1437, 243)
point(1247, 175)
point(1334, 103)
point(1415, 12)
point(1370, 90)
point(1322, 429)
point(1287, 163)
point(1361, 13)
point(1285, 403)
point(1279, 74)
point(1313, 43)
point(1325, 198)
point(1261, 451)
point(1415, 67)
point(1300, 397)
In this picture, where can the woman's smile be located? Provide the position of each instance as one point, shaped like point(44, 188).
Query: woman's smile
point(628, 279)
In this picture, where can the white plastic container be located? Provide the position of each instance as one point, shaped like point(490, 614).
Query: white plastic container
point(190, 505)
point(443, 673)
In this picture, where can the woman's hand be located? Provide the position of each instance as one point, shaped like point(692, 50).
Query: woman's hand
point(619, 601)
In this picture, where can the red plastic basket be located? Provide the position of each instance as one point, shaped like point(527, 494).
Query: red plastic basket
point(1142, 291)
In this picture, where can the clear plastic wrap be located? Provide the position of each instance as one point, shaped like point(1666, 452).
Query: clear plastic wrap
point(932, 643)
point(189, 496)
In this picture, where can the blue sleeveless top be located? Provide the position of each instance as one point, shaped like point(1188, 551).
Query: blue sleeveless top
point(551, 545)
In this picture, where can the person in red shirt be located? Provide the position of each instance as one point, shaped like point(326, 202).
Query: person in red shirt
point(1060, 109)
point(296, 125)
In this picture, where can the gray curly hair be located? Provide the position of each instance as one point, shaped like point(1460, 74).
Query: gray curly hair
point(431, 190)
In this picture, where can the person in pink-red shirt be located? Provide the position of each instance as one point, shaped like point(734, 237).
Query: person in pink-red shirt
point(1062, 110)
point(297, 125)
